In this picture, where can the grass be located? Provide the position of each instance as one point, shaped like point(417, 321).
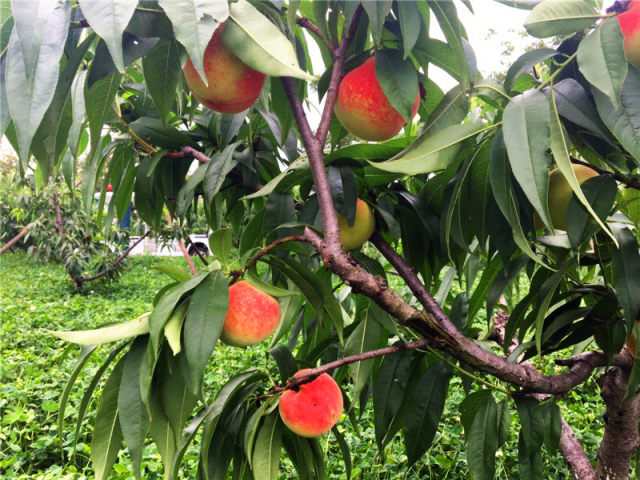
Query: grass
point(34, 367)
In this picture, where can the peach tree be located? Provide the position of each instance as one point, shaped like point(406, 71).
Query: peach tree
point(464, 274)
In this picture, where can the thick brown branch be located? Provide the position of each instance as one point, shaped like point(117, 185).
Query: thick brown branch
point(304, 22)
point(574, 455)
point(117, 261)
point(294, 382)
point(189, 152)
point(621, 438)
point(316, 160)
point(26, 229)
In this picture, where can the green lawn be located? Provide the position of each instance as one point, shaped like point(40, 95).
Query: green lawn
point(34, 367)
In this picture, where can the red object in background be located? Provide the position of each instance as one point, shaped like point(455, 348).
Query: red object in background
point(109, 188)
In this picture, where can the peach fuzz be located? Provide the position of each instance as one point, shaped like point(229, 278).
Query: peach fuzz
point(232, 85)
point(314, 409)
point(363, 108)
point(252, 315)
point(630, 27)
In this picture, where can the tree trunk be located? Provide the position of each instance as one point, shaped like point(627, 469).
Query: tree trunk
point(621, 437)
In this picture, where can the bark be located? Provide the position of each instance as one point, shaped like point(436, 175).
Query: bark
point(19, 236)
point(621, 438)
point(574, 455)
point(117, 261)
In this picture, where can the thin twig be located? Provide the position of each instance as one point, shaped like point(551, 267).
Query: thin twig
point(629, 182)
point(198, 252)
point(304, 22)
point(185, 253)
point(134, 135)
point(189, 152)
point(295, 382)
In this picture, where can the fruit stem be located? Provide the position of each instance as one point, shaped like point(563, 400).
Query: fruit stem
point(561, 67)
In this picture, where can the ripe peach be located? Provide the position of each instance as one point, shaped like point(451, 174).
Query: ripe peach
point(314, 408)
point(252, 315)
point(232, 85)
point(630, 26)
point(353, 236)
point(363, 108)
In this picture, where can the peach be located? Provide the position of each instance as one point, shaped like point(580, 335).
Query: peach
point(314, 408)
point(363, 108)
point(252, 315)
point(630, 26)
point(232, 85)
point(354, 236)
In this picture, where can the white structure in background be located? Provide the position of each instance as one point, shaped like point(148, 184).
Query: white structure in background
point(149, 246)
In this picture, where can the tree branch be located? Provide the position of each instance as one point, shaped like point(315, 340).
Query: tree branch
point(304, 22)
point(185, 253)
point(291, 238)
point(26, 229)
point(117, 261)
point(621, 438)
point(339, 56)
point(574, 455)
point(198, 252)
point(189, 152)
point(629, 182)
point(294, 382)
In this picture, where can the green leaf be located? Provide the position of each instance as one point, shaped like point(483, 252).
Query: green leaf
point(560, 151)
point(166, 305)
point(500, 178)
point(220, 244)
point(301, 163)
point(85, 354)
point(447, 16)
point(133, 416)
point(436, 152)
point(377, 11)
point(601, 60)
point(526, 136)
point(451, 110)
point(162, 72)
point(531, 464)
point(260, 44)
point(202, 327)
point(398, 79)
point(425, 410)
point(525, 63)
point(108, 18)
point(561, 17)
point(601, 192)
point(98, 336)
point(32, 66)
point(218, 168)
point(177, 273)
point(623, 121)
point(482, 441)
point(626, 266)
point(173, 327)
point(107, 436)
point(522, 4)
point(410, 25)
point(388, 393)
point(365, 337)
point(152, 131)
point(186, 193)
point(266, 453)
point(194, 22)
point(78, 112)
point(98, 101)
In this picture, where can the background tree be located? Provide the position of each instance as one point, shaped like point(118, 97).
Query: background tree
point(458, 197)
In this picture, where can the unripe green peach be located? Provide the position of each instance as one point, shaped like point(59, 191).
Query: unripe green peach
point(232, 85)
point(354, 236)
point(560, 193)
point(252, 315)
point(314, 408)
point(363, 108)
